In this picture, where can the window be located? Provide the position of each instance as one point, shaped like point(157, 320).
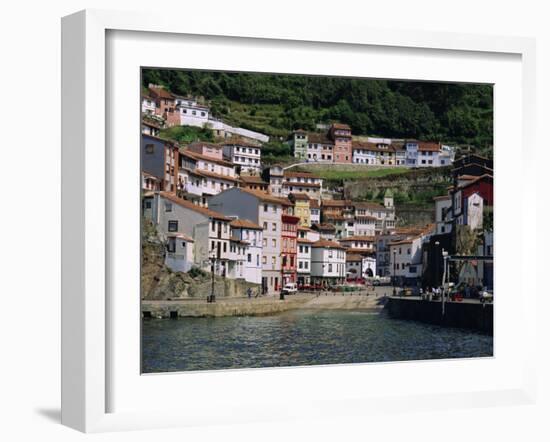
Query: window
point(306, 264)
point(168, 207)
point(408, 251)
point(264, 242)
point(149, 148)
point(224, 247)
point(273, 261)
point(274, 227)
point(147, 204)
point(330, 268)
point(265, 208)
point(171, 247)
point(265, 225)
point(264, 259)
point(274, 243)
point(249, 257)
point(172, 226)
point(412, 269)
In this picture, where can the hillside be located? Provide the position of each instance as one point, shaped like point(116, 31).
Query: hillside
point(277, 104)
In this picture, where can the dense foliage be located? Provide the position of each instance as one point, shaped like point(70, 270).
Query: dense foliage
point(276, 104)
point(187, 134)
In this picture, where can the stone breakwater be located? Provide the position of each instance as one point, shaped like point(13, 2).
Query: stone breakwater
point(258, 306)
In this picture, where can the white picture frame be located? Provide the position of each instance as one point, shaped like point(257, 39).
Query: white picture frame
point(87, 211)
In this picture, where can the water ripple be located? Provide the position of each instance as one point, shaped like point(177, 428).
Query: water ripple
point(299, 338)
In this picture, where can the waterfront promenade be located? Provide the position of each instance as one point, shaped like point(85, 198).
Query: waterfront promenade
point(371, 299)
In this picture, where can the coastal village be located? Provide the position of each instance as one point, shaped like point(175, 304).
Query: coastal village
point(216, 207)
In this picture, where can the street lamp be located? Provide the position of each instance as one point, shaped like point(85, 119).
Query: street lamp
point(212, 296)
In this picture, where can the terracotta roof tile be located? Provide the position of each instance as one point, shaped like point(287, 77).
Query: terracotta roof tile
point(325, 243)
point(245, 224)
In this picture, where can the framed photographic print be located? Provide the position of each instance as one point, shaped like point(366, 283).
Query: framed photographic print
point(279, 209)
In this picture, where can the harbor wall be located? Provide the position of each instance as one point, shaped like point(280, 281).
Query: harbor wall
point(476, 316)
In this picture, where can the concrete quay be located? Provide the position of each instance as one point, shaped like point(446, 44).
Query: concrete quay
point(470, 314)
point(266, 305)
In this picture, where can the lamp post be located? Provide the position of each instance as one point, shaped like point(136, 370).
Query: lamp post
point(393, 282)
point(212, 296)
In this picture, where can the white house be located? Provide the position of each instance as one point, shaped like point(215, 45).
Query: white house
point(360, 266)
point(306, 237)
point(411, 155)
point(364, 153)
point(252, 235)
point(237, 257)
point(384, 214)
point(364, 225)
point(303, 269)
point(363, 244)
point(191, 113)
point(428, 154)
point(247, 156)
point(468, 210)
point(274, 176)
point(319, 148)
point(148, 105)
point(314, 211)
point(302, 182)
point(204, 175)
point(328, 262)
point(179, 252)
point(443, 214)
point(406, 256)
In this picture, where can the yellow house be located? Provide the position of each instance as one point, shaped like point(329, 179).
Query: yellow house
point(301, 208)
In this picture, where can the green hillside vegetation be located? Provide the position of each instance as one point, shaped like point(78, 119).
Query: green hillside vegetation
point(187, 134)
point(333, 174)
point(277, 104)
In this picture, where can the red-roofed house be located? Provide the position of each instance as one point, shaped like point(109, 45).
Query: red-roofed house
point(341, 137)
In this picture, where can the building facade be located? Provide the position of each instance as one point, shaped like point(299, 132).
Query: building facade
point(289, 236)
point(246, 156)
point(266, 211)
point(341, 137)
point(250, 234)
point(328, 263)
point(209, 230)
point(160, 159)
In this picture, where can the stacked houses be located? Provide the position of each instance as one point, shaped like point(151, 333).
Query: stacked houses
point(337, 145)
point(218, 209)
point(249, 230)
point(461, 213)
